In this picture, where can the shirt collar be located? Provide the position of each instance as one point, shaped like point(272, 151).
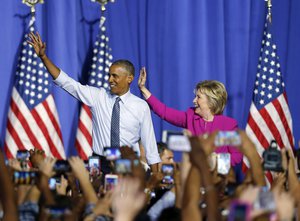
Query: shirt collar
point(124, 97)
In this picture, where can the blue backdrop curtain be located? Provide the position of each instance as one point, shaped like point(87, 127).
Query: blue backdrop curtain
point(179, 42)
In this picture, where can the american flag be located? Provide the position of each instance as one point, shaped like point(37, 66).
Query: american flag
point(32, 117)
point(269, 117)
point(98, 77)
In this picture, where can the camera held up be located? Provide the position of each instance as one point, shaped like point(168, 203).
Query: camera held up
point(272, 158)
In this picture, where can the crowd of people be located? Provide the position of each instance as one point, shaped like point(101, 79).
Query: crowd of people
point(191, 189)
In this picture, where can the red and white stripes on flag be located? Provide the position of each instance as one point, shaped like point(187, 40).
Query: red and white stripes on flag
point(98, 77)
point(84, 141)
point(38, 128)
point(272, 122)
point(269, 117)
point(32, 121)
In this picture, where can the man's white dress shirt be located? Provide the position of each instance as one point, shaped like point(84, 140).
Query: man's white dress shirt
point(135, 117)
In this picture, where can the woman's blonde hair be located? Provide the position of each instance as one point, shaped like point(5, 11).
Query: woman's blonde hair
point(216, 95)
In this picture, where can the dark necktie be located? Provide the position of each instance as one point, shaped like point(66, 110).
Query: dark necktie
point(115, 125)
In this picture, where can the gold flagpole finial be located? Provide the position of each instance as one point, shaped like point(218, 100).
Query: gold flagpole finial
point(103, 3)
point(32, 3)
point(269, 5)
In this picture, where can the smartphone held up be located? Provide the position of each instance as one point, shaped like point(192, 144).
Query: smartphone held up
point(168, 172)
point(94, 165)
point(112, 153)
point(110, 182)
point(177, 141)
point(227, 138)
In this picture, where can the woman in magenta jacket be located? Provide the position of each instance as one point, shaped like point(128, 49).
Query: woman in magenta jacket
point(206, 115)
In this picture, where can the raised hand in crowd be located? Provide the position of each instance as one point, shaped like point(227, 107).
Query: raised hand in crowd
point(36, 157)
point(292, 177)
point(46, 166)
point(248, 148)
point(128, 199)
point(199, 176)
point(207, 144)
point(61, 187)
point(154, 180)
point(153, 185)
point(7, 197)
point(97, 180)
point(249, 195)
point(102, 207)
point(128, 153)
point(82, 175)
point(46, 171)
point(177, 185)
point(200, 150)
point(137, 170)
point(191, 196)
point(73, 187)
point(293, 183)
point(279, 181)
point(285, 205)
point(14, 164)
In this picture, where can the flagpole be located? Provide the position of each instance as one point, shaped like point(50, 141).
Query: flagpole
point(103, 4)
point(31, 4)
point(269, 5)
